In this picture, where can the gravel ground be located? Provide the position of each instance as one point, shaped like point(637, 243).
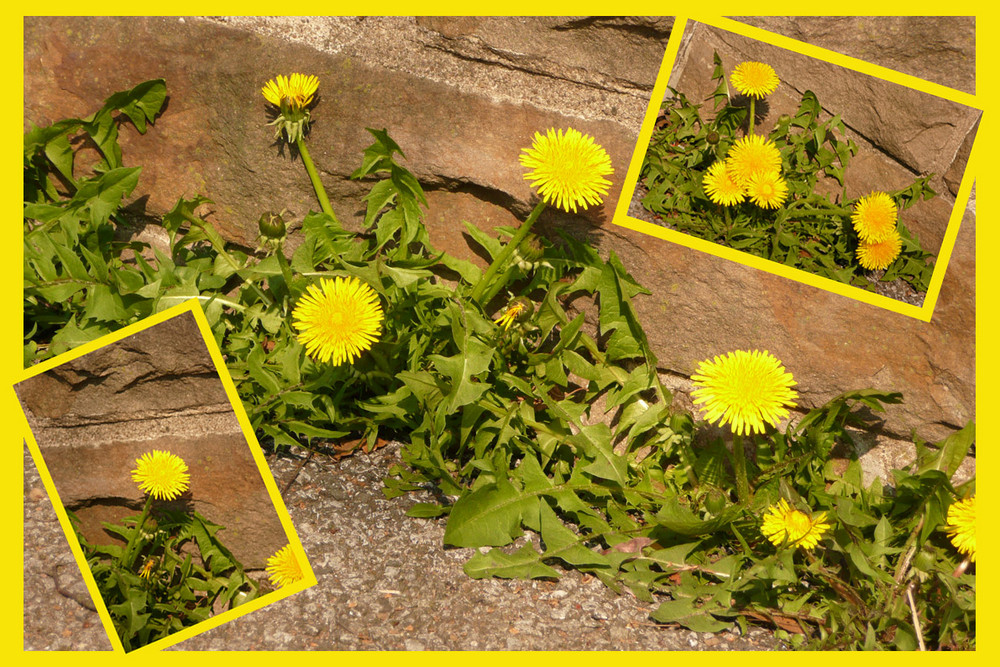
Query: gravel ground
point(385, 583)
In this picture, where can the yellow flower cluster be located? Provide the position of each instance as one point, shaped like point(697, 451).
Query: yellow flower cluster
point(338, 319)
point(755, 79)
point(751, 170)
point(161, 474)
point(511, 314)
point(292, 95)
point(875, 223)
point(568, 168)
point(283, 568)
point(961, 527)
point(744, 389)
point(786, 526)
point(295, 91)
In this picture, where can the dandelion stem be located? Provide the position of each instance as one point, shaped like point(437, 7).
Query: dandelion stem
point(286, 271)
point(324, 201)
point(128, 556)
point(501, 261)
point(821, 212)
point(740, 469)
point(220, 247)
point(492, 291)
point(751, 117)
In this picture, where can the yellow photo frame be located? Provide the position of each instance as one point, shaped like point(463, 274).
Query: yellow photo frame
point(622, 217)
point(189, 308)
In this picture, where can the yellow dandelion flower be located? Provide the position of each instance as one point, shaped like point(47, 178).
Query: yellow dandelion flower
point(512, 313)
point(755, 79)
point(879, 255)
point(295, 92)
point(785, 526)
point(283, 568)
point(568, 168)
point(744, 389)
point(962, 526)
point(147, 568)
point(338, 319)
point(874, 217)
point(721, 187)
point(292, 95)
point(161, 474)
point(751, 155)
point(767, 189)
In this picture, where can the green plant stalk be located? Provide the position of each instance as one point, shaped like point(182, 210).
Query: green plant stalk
point(497, 284)
point(820, 212)
point(504, 257)
point(750, 119)
point(600, 358)
point(740, 470)
point(221, 249)
point(128, 556)
point(324, 201)
point(286, 270)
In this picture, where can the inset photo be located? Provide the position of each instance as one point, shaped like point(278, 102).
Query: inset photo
point(805, 163)
point(159, 483)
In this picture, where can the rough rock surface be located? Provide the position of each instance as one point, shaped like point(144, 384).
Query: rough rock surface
point(156, 372)
point(92, 417)
point(933, 48)
point(462, 97)
point(384, 583)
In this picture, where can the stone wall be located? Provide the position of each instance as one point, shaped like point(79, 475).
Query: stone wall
point(92, 417)
point(462, 96)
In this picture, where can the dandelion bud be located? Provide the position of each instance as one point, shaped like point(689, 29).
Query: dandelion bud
point(271, 226)
point(531, 248)
point(715, 501)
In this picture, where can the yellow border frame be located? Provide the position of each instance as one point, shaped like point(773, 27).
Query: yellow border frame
point(192, 306)
point(987, 356)
point(622, 219)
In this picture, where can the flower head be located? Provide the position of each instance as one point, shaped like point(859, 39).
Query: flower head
point(721, 187)
point(767, 189)
point(338, 319)
point(755, 79)
point(751, 155)
point(744, 389)
point(161, 474)
point(874, 217)
point(880, 254)
point(567, 168)
point(517, 309)
point(283, 568)
point(294, 92)
point(147, 568)
point(962, 526)
point(292, 95)
point(783, 525)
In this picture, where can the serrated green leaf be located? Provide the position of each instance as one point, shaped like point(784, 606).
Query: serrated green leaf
point(489, 516)
point(427, 510)
point(525, 563)
point(683, 521)
point(683, 612)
